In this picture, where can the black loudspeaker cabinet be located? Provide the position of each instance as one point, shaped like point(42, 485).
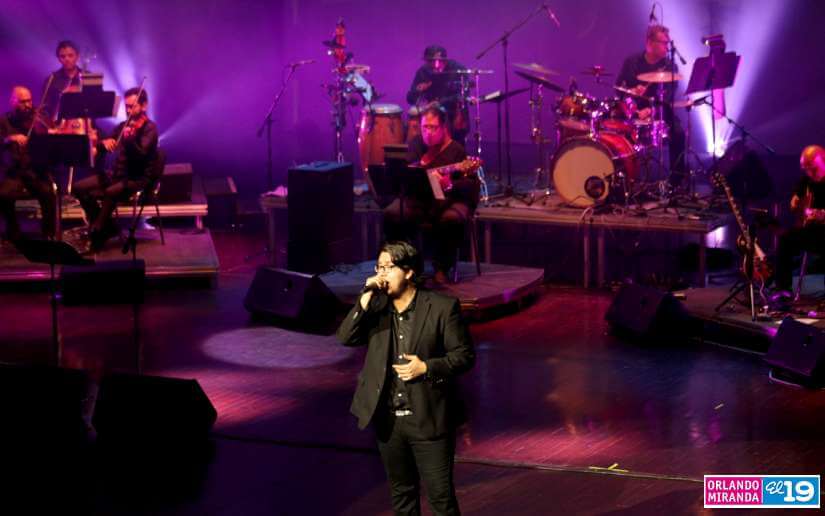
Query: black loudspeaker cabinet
point(117, 281)
point(799, 349)
point(176, 184)
point(642, 310)
point(290, 295)
point(320, 212)
point(142, 407)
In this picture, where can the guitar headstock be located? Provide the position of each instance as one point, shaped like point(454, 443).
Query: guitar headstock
point(470, 164)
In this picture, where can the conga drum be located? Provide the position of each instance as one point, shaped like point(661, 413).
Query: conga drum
point(380, 125)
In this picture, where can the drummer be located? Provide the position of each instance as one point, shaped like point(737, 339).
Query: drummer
point(655, 59)
point(436, 83)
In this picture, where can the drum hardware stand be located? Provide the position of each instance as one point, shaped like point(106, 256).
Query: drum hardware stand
point(504, 40)
point(537, 135)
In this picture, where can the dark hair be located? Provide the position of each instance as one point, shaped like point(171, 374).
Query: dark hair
point(405, 256)
point(142, 99)
point(437, 110)
point(66, 43)
point(654, 30)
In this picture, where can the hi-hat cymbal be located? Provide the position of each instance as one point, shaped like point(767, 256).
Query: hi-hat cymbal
point(470, 71)
point(659, 77)
point(541, 81)
point(596, 71)
point(536, 68)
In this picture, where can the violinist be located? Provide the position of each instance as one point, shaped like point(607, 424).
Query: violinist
point(135, 143)
point(18, 179)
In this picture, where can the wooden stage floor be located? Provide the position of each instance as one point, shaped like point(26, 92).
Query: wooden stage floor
point(564, 418)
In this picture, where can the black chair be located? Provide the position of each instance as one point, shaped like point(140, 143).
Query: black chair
point(150, 193)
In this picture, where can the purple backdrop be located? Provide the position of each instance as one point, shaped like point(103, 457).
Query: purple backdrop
point(213, 67)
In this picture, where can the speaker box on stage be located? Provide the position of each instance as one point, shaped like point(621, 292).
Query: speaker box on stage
point(290, 295)
point(641, 310)
point(320, 211)
point(798, 349)
point(222, 201)
point(176, 184)
point(42, 405)
point(152, 408)
point(117, 281)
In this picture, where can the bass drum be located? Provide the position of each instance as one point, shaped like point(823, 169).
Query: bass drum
point(583, 167)
point(380, 125)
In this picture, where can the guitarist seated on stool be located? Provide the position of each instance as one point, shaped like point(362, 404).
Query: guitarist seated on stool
point(808, 202)
point(447, 216)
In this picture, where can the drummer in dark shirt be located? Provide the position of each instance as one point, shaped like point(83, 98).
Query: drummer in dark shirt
point(654, 59)
point(447, 216)
point(436, 82)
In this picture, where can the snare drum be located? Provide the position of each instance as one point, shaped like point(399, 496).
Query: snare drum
point(575, 112)
point(584, 168)
point(380, 125)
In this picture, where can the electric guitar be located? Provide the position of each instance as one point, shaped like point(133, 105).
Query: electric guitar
point(807, 214)
point(448, 173)
point(762, 270)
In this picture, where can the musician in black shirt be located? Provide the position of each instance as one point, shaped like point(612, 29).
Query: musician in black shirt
point(447, 217)
point(65, 78)
point(808, 202)
point(436, 83)
point(18, 178)
point(654, 59)
point(138, 161)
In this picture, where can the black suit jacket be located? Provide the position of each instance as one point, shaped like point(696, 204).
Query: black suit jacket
point(439, 337)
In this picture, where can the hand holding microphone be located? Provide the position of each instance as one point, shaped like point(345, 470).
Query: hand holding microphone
point(373, 284)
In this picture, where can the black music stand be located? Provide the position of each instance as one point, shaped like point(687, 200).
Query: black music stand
point(52, 252)
point(714, 72)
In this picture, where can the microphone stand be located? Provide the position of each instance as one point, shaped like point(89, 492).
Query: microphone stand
point(504, 39)
point(267, 124)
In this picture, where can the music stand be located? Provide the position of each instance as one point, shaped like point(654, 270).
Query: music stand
point(52, 252)
point(714, 72)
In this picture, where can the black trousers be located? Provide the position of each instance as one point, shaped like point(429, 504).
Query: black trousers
point(98, 188)
point(20, 185)
point(408, 460)
point(447, 219)
point(792, 243)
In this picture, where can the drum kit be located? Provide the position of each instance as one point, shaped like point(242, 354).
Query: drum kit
point(601, 144)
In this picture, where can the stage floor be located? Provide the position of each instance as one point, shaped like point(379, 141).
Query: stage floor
point(188, 253)
point(497, 287)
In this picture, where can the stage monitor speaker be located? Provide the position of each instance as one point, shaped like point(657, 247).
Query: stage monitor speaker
point(145, 408)
point(176, 184)
point(290, 295)
point(643, 311)
point(117, 281)
point(799, 349)
point(222, 201)
point(320, 214)
point(42, 405)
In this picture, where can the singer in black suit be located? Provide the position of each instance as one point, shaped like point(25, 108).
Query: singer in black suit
point(417, 345)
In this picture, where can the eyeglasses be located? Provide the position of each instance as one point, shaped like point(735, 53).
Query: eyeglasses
point(385, 268)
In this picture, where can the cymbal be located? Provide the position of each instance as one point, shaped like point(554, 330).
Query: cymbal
point(631, 93)
point(498, 95)
point(596, 71)
point(470, 71)
point(332, 44)
point(360, 68)
point(659, 77)
point(536, 68)
point(541, 81)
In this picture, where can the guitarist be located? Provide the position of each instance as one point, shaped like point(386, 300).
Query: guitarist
point(446, 217)
point(808, 202)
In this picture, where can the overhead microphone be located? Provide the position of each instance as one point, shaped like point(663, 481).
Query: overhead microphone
point(652, 18)
point(552, 15)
